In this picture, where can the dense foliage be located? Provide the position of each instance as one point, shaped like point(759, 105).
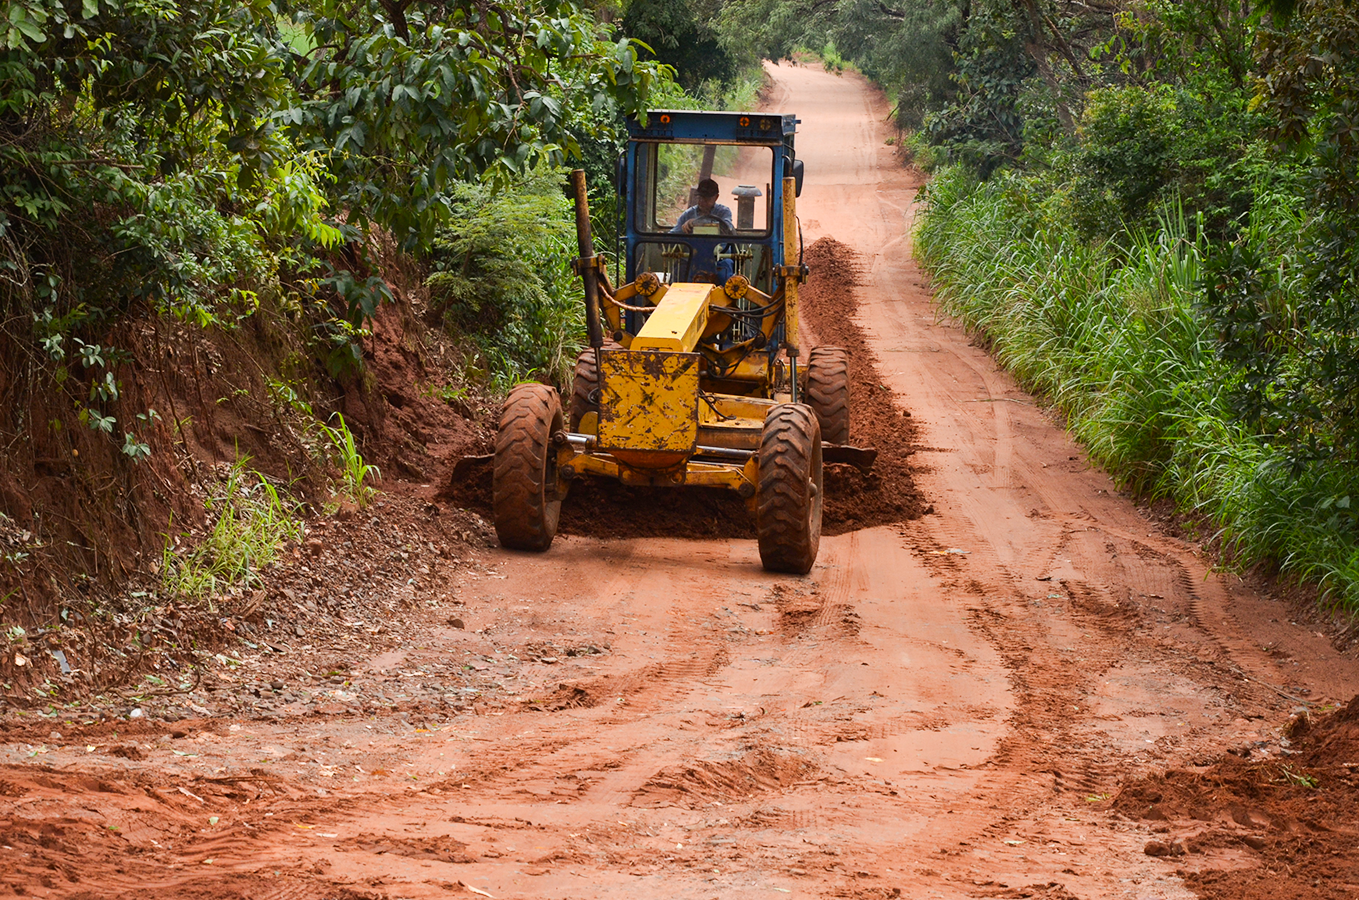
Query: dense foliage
point(196, 158)
point(681, 34)
point(502, 276)
point(1169, 252)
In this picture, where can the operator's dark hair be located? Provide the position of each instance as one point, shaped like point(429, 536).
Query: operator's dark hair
point(708, 188)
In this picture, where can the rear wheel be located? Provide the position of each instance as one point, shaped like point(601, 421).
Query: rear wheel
point(828, 392)
point(526, 490)
point(788, 497)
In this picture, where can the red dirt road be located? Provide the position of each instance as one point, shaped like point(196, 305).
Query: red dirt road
point(944, 708)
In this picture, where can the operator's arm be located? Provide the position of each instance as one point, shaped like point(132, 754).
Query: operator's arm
point(684, 219)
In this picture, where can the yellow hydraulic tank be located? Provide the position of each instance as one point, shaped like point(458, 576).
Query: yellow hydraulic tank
point(678, 321)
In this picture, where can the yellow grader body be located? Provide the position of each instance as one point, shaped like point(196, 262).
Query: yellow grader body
point(699, 382)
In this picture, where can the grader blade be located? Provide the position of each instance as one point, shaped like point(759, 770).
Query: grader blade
point(861, 458)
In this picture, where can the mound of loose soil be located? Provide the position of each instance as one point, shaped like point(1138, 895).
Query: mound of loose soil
point(1289, 811)
point(886, 495)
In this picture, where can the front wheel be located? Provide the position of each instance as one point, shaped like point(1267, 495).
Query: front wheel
point(525, 488)
point(788, 497)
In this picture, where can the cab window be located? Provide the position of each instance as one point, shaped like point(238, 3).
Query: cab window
point(668, 176)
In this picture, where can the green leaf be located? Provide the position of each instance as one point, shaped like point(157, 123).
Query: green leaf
point(29, 29)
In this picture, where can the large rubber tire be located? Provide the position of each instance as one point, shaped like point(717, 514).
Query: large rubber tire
point(525, 489)
point(584, 383)
point(828, 392)
point(788, 497)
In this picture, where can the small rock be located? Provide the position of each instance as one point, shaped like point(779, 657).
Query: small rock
point(136, 713)
point(457, 623)
point(54, 736)
point(299, 631)
point(547, 659)
point(276, 685)
point(1158, 848)
point(1298, 724)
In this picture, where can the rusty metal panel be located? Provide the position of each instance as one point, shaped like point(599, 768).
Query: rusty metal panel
point(648, 401)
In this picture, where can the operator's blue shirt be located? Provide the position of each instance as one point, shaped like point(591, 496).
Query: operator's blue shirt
point(719, 211)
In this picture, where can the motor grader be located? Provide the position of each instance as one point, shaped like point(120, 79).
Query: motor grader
point(694, 375)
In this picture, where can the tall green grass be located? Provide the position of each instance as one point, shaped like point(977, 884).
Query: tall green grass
point(250, 519)
point(1112, 335)
point(355, 472)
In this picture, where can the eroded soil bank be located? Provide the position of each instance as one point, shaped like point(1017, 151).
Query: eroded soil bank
point(1001, 679)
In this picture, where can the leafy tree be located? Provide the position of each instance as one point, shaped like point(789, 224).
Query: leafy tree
point(982, 123)
point(195, 158)
point(679, 37)
point(407, 101)
point(1291, 326)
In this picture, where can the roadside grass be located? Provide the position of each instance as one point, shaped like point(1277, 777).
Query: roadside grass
point(1112, 336)
point(355, 473)
point(250, 519)
point(334, 444)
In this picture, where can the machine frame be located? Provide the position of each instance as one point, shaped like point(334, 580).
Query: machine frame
point(688, 382)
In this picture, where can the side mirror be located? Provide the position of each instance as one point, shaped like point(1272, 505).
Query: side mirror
point(620, 175)
point(797, 178)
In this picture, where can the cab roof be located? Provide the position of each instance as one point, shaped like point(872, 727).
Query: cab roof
point(721, 127)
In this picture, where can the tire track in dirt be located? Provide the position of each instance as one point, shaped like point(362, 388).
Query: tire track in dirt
point(131, 812)
point(1161, 568)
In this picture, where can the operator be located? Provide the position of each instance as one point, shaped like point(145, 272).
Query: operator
point(706, 207)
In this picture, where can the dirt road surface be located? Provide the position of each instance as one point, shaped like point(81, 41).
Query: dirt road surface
point(948, 706)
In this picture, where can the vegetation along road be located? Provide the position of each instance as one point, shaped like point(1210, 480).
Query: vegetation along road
point(1001, 679)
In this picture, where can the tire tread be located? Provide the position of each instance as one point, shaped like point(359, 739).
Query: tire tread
point(828, 392)
point(525, 506)
point(788, 510)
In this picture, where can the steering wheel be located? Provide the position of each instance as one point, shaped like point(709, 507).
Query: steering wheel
point(723, 227)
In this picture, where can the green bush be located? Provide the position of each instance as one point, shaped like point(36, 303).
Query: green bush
point(195, 159)
point(1115, 336)
point(501, 274)
point(1125, 158)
